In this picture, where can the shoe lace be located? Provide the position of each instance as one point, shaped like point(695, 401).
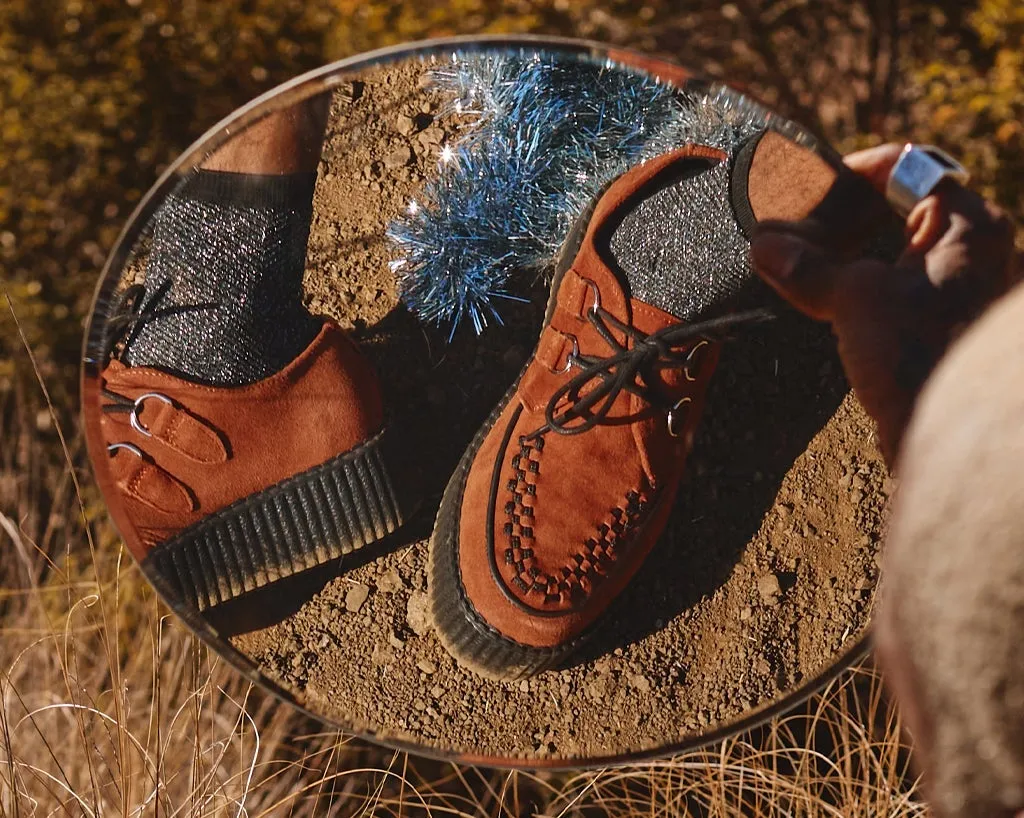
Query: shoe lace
point(131, 312)
point(589, 395)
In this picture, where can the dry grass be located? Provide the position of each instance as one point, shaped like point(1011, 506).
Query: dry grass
point(109, 706)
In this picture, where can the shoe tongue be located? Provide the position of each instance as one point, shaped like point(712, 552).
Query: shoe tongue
point(774, 178)
point(678, 245)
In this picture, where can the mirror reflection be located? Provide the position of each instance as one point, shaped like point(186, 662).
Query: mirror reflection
point(445, 398)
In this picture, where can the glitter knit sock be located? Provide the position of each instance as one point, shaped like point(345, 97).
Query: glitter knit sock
point(681, 248)
point(223, 286)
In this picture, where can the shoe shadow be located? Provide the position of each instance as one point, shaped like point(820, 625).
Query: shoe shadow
point(774, 389)
point(440, 390)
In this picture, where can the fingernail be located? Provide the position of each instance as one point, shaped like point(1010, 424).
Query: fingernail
point(776, 255)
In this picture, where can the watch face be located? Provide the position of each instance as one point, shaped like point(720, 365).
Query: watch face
point(303, 357)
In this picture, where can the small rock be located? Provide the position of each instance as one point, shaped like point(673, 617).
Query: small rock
point(417, 613)
point(426, 666)
point(768, 587)
point(746, 613)
point(404, 125)
point(524, 686)
point(390, 582)
point(640, 682)
point(298, 660)
point(598, 688)
point(437, 691)
point(396, 641)
point(355, 597)
point(398, 158)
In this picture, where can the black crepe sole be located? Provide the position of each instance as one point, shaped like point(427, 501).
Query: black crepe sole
point(463, 632)
point(303, 521)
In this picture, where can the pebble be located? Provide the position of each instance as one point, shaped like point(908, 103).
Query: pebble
point(768, 587)
point(524, 686)
point(640, 682)
point(396, 641)
point(355, 597)
point(389, 582)
point(404, 125)
point(416, 613)
point(426, 666)
point(398, 158)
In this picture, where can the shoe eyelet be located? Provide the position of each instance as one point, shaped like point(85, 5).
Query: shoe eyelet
point(596, 304)
point(570, 359)
point(689, 360)
point(128, 447)
point(133, 418)
point(675, 416)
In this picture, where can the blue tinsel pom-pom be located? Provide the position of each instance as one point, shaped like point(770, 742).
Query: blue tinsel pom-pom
point(552, 131)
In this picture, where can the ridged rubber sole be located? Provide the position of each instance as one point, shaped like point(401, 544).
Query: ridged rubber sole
point(305, 520)
point(465, 634)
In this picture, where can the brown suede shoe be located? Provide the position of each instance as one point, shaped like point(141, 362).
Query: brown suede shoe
point(569, 483)
point(226, 489)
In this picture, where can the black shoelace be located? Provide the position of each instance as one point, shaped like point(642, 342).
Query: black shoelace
point(130, 313)
point(666, 349)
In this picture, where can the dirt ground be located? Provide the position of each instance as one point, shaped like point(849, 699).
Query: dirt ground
point(765, 576)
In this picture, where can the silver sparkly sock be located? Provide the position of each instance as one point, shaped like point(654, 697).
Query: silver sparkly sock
point(223, 285)
point(681, 248)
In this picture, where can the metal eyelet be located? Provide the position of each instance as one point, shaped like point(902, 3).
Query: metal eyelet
point(689, 360)
point(596, 304)
point(570, 359)
point(674, 416)
point(133, 418)
point(130, 447)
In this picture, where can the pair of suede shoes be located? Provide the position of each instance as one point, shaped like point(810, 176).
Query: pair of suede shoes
point(564, 490)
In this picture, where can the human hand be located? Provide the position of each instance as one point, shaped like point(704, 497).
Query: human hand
point(892, 321)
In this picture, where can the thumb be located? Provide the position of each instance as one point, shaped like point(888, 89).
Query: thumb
point(800, 271)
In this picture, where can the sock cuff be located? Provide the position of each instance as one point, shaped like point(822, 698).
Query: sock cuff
point(286, 191)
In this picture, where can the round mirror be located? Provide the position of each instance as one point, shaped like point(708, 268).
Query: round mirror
point(435, 390)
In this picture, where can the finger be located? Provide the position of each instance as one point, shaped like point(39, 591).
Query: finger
point(798, 270)
point(956, 234)
point(875, 164)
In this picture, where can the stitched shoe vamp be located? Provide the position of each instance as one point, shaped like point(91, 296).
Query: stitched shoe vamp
point(552, 526)
point(205, 447)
